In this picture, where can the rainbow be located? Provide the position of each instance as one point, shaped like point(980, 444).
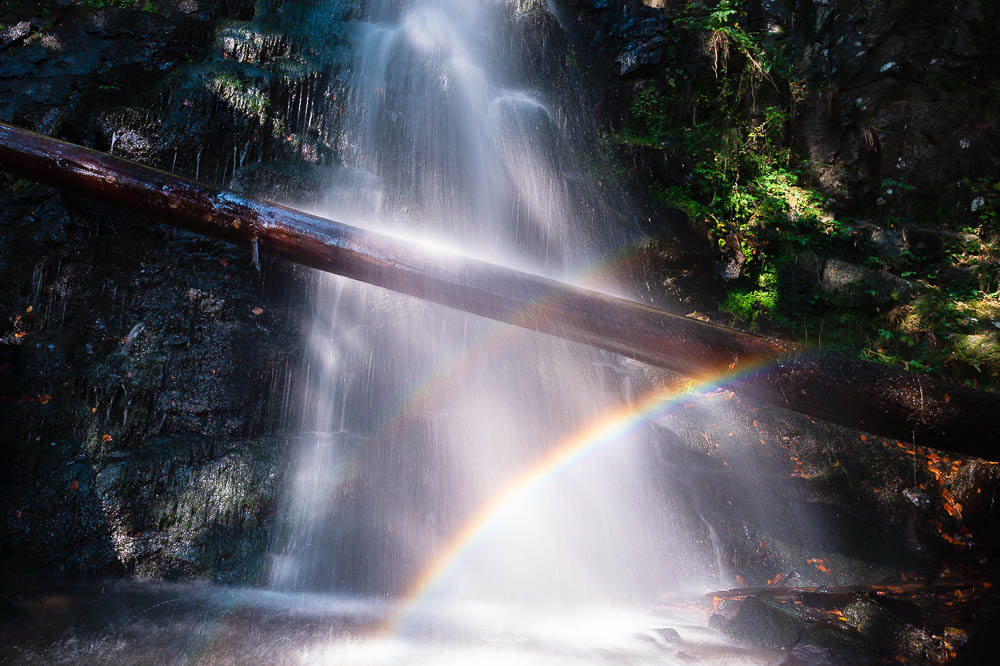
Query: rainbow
point(603, 432)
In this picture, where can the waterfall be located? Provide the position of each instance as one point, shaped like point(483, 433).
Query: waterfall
point(417, 418)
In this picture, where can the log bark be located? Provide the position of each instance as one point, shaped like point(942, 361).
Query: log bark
point(860, 395)
point(834, 591)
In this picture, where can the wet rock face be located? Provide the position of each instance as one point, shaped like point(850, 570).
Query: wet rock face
point(811, 504)
point(900, 102)
point(139, 406)
point(59, 57)
point(628, 33)
point(147, 375)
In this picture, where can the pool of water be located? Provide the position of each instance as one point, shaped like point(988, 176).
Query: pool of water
point(56, 622)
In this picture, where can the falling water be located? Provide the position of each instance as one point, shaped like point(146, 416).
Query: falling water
point(417, 417)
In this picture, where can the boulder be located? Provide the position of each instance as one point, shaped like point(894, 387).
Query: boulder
point(761, 622)
point(857, 285)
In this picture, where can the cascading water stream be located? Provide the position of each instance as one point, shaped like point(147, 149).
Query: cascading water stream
point(416, 416)
point(485, 480)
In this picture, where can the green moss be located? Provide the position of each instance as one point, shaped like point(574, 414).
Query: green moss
point(746, 305)
point(980, 350)
point(242, 97)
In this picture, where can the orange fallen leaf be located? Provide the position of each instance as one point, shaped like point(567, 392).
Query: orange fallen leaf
point(106, 437)
point(223, 262)
point(257, 311)
point(30, 308)
point(74, 485)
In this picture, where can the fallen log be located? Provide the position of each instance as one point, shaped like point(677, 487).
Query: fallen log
point(928, 608)
point(839, 591)
point(860, 395)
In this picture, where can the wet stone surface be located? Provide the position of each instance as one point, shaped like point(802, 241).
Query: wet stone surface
point(141, 406)
point(146, 372)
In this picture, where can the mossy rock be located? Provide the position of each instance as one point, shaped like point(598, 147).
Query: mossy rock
point(981, 351)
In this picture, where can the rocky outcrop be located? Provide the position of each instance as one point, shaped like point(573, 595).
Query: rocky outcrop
point(146, 386)
point(148, 374)
point(899, 106)
point(626, 35)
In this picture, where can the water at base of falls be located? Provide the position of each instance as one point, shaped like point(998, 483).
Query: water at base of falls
point(136, 623)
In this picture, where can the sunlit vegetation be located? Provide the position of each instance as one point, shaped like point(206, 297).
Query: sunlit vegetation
point(743, 187)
